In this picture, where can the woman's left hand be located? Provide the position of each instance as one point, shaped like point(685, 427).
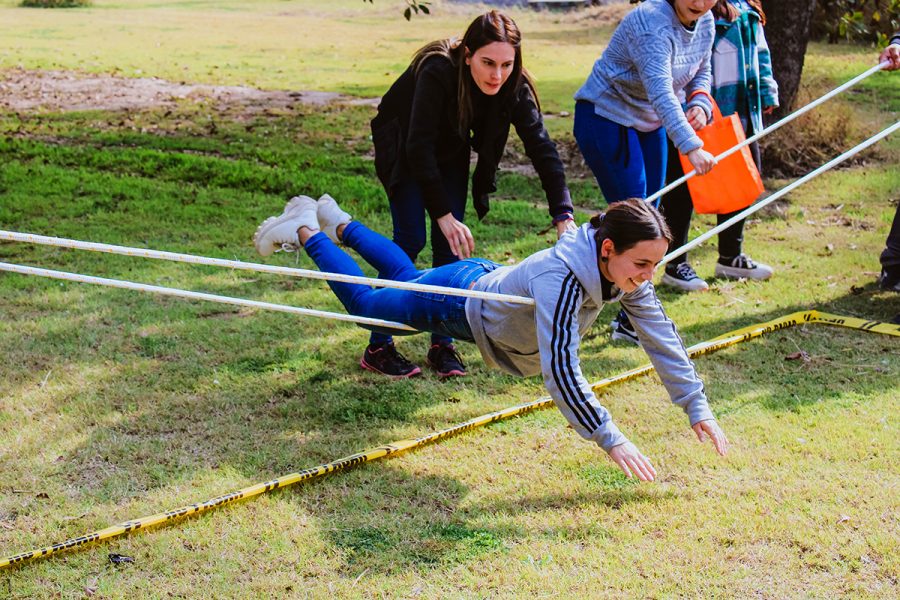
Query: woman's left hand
point(711, 429)
point(696, 117)
point(564, 226)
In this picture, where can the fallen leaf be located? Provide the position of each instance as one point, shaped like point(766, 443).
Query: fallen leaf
point(799, 355)
point(91, 588)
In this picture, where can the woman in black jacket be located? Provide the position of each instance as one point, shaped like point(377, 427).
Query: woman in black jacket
point(455, 97)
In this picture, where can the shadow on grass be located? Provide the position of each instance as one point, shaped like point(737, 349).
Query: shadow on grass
point(398, 520)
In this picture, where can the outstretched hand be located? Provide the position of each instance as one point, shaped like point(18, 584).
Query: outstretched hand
point(460, 239)
point(632, 462)
point(710, 429)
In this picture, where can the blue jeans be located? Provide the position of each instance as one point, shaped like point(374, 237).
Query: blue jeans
point(408, 215)
point(439, 314)
point(626, 163)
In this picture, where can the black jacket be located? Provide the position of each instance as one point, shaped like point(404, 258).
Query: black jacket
point(415, 133)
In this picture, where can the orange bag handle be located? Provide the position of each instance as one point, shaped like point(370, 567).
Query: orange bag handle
point(717, 114)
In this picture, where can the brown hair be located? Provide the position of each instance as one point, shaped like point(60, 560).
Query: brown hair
point(728, 11)
point(629, 222)
point(492, 26)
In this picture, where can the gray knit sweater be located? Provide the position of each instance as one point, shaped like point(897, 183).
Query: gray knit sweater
point(566, 285)
point(652, 64)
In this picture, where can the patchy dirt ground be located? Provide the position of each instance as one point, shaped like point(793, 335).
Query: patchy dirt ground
point(24, 90)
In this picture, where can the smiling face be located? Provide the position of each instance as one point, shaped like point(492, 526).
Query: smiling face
point(629, 269)
point(491, 65)
point(689, 11)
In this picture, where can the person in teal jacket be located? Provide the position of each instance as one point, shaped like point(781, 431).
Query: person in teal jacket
point(742, 83)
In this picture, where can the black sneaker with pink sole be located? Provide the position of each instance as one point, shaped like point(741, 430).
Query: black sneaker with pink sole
point(386, 360)
point(446, 361)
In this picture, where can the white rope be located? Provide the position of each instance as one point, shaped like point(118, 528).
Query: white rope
point(12, 236)
point(141, 287)
point(755, 207)
point(773, 127)
point(354, 319)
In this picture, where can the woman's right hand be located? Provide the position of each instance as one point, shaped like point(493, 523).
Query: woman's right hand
point(630, 460)
point(701, 160)
point(462, 244)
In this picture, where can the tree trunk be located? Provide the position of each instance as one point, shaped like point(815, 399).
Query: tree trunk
point(787, 31)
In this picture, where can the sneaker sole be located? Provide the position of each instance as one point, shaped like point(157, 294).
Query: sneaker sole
point(621, 337)
point(684, 286)
point(734, 273)
point(368, 367)
point(450, 373)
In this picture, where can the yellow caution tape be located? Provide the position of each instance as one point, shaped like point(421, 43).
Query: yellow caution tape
point(342, 464)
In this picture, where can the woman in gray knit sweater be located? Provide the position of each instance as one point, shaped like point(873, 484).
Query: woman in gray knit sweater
point(656, 62)
point(610, 259)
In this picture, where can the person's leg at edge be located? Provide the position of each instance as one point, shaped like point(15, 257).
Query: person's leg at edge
point(890, 257)
point(678, 209)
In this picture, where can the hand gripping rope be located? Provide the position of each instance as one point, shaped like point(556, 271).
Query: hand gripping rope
point(373, 454)
point(188, 258)
point(774, 126)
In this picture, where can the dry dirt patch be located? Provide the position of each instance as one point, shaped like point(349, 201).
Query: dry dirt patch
point(61, 91)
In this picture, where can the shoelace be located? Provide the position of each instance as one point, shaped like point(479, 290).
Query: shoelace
point(394, 356)
point(289, 247)
point(453, 354)
point(742, 261)
point(685, 271)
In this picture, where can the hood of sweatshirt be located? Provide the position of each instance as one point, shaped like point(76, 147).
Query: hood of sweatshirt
point(578, 249)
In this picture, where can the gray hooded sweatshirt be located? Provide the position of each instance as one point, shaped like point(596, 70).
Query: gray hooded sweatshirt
point(568, 291)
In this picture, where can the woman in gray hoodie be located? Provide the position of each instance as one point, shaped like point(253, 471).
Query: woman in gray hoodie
point(610, 259)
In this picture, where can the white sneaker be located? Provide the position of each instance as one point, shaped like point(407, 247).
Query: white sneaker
point(331, 216)
point(683, 277)
point(280, 233)
point(743, 267)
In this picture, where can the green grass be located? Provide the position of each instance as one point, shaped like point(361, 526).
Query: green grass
point(115, 404)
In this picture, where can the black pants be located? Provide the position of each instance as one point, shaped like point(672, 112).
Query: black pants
point(890, 258)
point(678, 209)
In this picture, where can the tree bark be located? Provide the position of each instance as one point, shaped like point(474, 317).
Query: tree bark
point(787, 31)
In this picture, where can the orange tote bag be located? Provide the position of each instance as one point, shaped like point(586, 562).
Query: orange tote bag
point(734, 183)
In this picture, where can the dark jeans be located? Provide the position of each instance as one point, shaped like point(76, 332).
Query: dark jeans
point(678, 209)
point(890, 258)
point(626, 163)
point(439, 314)
point(408, 214)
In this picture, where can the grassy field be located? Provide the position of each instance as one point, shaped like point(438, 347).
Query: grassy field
point(115, 404)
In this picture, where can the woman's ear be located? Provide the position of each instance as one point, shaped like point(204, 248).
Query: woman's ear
point(607, 248)
point(468, 57)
